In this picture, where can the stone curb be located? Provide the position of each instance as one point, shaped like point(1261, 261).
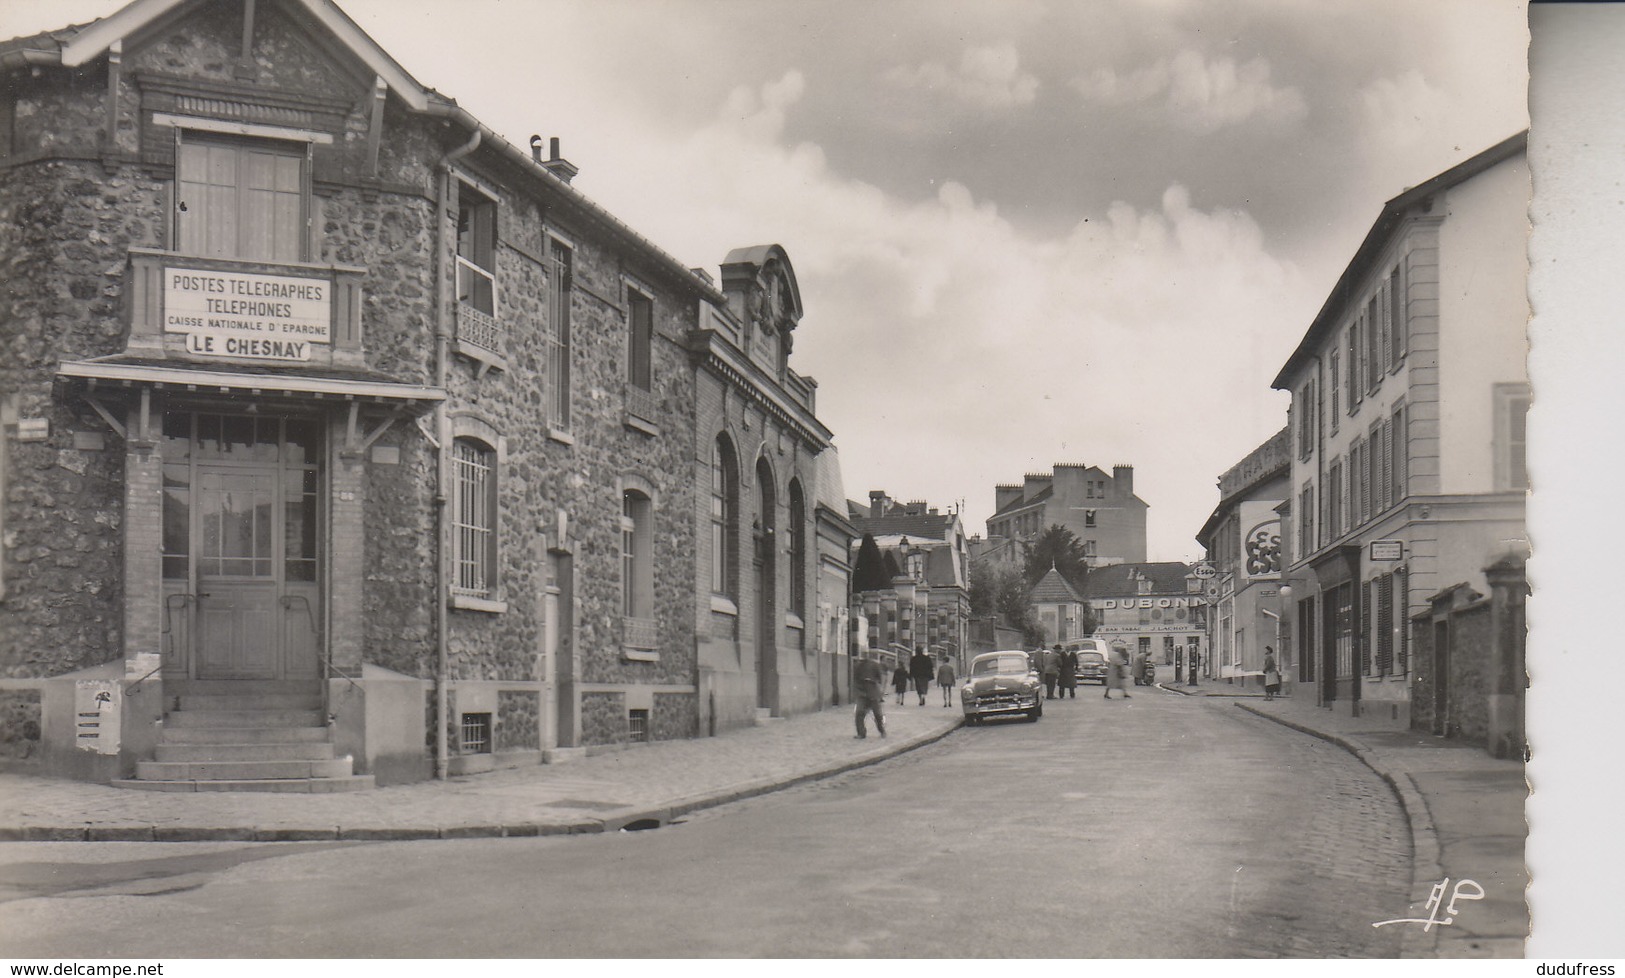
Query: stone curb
point(660, 814)
point(1425, 868)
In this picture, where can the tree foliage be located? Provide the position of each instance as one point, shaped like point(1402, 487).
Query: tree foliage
point(869, 574)
point(1000, 591)
point(1057, 547)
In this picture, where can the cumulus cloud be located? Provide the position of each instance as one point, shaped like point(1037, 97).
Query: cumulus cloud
point(986, 78)
point(1197, 93)
point(1402, 112)
point(1090, 344)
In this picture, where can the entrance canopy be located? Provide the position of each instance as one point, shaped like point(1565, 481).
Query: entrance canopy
point(122, 377)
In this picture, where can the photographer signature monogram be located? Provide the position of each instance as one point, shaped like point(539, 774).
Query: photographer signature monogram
point(1461, 891)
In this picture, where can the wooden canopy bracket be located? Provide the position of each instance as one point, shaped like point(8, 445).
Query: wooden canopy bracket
point(358, 442)
point(107, 416)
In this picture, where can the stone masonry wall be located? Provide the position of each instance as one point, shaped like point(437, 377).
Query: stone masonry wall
point(63, 552)
point(72, 208)
point(603, 719)
point(19, 723)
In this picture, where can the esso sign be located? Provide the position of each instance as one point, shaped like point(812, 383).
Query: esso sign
point(1205, 572)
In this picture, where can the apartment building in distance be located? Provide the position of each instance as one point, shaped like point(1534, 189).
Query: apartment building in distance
point(1099, 508)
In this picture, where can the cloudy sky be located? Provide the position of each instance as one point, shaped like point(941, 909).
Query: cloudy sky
point(1026, 231)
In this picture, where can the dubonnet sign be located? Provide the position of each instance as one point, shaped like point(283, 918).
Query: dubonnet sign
point(240, 314)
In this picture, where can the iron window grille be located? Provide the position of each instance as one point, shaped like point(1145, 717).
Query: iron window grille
point(476, 733)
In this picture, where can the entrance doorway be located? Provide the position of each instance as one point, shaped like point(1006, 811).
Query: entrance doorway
point(241, 561)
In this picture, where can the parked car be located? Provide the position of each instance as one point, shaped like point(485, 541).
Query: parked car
point(1091, 668)
point(1002, 684)
point(1093, 656)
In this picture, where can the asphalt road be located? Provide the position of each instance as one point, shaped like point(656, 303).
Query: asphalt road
point(1160, 826)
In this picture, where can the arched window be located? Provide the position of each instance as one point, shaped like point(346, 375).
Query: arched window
point(724, 519)
point(798, 550)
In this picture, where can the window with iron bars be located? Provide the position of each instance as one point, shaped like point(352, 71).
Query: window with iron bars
point(476, 733)
point(473, 518)
point(637, 726)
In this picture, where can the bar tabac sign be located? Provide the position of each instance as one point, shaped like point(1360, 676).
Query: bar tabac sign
point(244, 315)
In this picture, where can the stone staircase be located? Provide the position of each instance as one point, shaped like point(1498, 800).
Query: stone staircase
point(247, 736)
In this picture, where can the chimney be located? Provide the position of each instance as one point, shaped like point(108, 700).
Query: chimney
point(1004, 495)
point(555, 164)
point(877, 502)
point(1123, 479)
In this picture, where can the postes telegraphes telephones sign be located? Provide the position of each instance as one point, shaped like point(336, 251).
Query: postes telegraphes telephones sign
point(246, 315)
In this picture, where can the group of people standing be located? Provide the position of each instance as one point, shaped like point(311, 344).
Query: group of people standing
point(1059, 667)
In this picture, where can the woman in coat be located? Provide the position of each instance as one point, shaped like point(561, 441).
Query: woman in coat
point(899, 681)
point(1272, 674)
point(1117, 670)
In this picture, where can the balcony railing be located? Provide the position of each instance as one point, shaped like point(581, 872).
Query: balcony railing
point(214, 307)
point(641, 404)
point(475, 328)
point(640, 633)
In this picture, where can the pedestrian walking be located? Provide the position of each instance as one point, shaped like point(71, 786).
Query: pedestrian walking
point(920, 670)
point(899, 681)
point(1117, 671)
point(1052, 669)
point(866, 681)
point(1067, 682)
point(945, 679)
point(1272, 674)
point(1141, 659)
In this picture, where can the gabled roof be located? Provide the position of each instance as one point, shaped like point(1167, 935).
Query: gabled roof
point(1052, 588)
point(1376, 239)
point(1122, 580)
point(82, 45)
point(79, 45)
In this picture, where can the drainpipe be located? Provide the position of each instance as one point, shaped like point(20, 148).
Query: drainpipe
point(442, 428)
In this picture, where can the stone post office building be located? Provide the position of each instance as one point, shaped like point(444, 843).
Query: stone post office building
point(346, 441)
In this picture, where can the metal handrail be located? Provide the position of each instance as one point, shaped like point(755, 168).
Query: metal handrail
point(310, 616)
point(331, 672)
point(130, 689)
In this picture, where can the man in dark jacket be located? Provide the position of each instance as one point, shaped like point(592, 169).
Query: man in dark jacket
point(921, 670)
point(867, 678)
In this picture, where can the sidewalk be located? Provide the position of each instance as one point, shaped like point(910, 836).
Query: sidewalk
point(1466, 814)
point(602, 792)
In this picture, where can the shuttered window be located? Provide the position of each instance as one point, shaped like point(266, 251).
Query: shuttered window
point(1385, 624)
point(241, 198)
point(1363, 637)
